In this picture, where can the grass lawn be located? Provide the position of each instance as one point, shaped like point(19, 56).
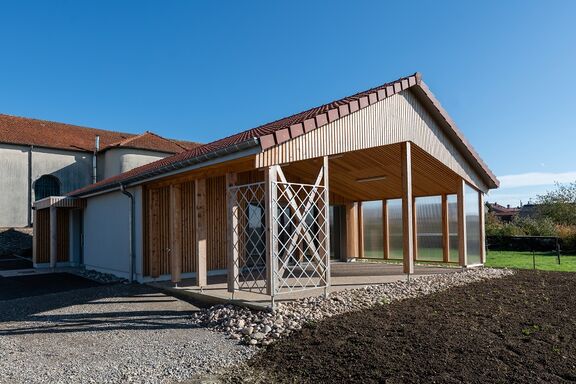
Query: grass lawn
point(545, 261)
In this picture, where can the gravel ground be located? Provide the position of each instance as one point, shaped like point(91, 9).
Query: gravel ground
point(262, 328)
point(109, 334)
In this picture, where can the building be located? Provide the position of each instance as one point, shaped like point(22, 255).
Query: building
point(384, 173)
point(502, 213)
point(43, 158)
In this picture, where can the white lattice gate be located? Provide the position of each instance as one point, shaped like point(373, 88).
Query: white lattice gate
point(247, 231)
point(279, 235)
point(300, 233)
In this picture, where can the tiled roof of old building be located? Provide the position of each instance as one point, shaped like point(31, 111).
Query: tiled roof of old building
point(48, 134)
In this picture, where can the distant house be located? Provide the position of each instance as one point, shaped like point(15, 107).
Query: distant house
point(504, 214)
point(43, 158)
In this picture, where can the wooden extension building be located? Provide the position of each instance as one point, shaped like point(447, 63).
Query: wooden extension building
point(382, 174)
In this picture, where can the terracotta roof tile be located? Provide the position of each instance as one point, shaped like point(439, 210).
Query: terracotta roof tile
point(50, 134)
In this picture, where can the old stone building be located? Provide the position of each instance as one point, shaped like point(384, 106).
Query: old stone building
point(43, 158)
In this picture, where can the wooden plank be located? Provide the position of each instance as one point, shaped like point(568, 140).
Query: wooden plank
point(53, 236)
point(63, 237)
point(351, 230)
point(407, 207)
point(201, 233)
point(175, 233)
point(445, 230)
point(462, 251)
point(385, 230)
point(360, 223)
point(482, 227)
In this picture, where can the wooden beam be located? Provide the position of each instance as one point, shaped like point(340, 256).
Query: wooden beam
point(53, 236)
point(482, 227)
point(175, 227)
point(351, 230)
point(201, 233)
point(462, 251)
point(445, 230)
point(385, 230)
point(407, 207)
point(232, 237)
point(360, 223)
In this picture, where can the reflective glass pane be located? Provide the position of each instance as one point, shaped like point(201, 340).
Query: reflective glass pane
point(395, 228)
point(429, 228)
point(472, 212)
point(373, 227)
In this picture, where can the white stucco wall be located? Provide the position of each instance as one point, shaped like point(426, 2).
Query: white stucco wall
point(107, 233)
point(72, 168)
point(118, 160)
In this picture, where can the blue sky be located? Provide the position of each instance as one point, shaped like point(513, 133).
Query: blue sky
point(503, 70)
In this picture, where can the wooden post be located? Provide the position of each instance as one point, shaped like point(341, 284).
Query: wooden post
point(407, 215)
point(360, 223)
point(232, 238)
point(326, 223)
point(445, 230)
point(271, 244)
point(351, 230)
point(462, 251)
point(53, 236)
point(201, 233)
point(385, 230)
point(482, 228)
point(175, 232)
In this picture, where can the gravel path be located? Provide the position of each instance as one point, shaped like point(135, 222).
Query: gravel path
point(109, 334)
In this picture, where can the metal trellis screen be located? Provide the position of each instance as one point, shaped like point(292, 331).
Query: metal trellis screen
point(247, 215)
point(300, 242)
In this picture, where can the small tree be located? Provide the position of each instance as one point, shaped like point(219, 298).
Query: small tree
point(559, 205)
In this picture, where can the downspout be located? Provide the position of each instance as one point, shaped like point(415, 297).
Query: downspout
point(94, 160)
point(30, 200)
point(132, 234)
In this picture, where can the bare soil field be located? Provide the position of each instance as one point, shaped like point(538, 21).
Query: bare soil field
point(518, 329)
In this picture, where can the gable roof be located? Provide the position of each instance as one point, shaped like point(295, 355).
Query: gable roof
point(279, 131)
point(49, 134)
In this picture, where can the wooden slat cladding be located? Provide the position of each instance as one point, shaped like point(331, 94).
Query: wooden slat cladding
point(188, 225)
point(42, 226)
point(216, 222)
point(63, 233)
point(393, 120)
point(157, 230)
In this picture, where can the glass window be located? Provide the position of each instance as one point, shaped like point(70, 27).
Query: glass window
point(429, 228)
point(395, 228)
point(373, 229)
point(472, 213)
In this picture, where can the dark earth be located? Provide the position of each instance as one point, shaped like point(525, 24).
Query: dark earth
point(519, 329)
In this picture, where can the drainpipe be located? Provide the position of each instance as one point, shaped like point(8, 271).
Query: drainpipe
point(30, 200)
point(132, 235)
point(94, 159)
